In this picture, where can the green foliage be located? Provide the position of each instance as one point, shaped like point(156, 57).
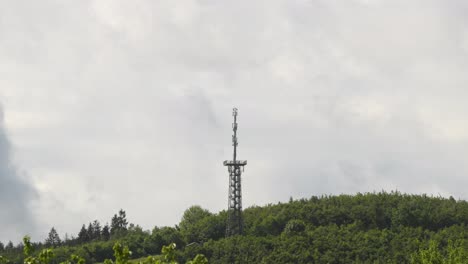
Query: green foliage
point(199, 259)
point(3, 260)
point(294, 226)
point(169, 253)
point(431, 255)
point(44, 257)
point(364, 228)
point(164, 236)
point(192, 226)
point(121, 253)
point(27, 246)
point(169, 257)
point(74, 259)
point(456, 253)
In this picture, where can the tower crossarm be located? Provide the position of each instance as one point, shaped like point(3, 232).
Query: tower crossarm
point(235, 162)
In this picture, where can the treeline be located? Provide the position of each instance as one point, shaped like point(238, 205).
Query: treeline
point(363, 228)
point(93, 232)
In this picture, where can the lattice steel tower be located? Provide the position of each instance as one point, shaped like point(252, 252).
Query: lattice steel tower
point(234, 221)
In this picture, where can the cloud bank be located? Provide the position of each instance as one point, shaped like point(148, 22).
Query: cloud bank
point(16, 193)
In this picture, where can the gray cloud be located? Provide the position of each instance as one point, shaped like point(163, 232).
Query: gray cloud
point(15, 194)
point(117, 104)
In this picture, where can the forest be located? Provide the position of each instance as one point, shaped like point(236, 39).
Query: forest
point(363, 228)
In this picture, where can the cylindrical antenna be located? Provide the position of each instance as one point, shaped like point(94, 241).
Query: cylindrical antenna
point(234, 137)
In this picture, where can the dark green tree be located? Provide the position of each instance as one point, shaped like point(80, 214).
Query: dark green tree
point(90, 232)
point(166, 235)
point(191, 224)
point(96, 226)
point(294, 226)
point(105, 233)
point(53, 239)
point(119, 223)
point(83, 235)
point(9, 246)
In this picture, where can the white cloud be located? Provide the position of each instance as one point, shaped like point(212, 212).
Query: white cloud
point(112, 104)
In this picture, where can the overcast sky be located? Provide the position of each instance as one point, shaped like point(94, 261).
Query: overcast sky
point(127, 104)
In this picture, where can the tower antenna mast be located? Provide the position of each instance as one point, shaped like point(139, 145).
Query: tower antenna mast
point(234, 225)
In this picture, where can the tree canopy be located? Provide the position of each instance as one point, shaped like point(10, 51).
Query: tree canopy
point(362, 228)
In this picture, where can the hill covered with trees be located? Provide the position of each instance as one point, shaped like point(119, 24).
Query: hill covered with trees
point(362, 228)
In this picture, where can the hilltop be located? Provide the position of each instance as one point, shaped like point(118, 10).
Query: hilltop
point(364, 228)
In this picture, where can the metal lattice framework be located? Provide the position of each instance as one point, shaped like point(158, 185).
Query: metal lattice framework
point(234, 223)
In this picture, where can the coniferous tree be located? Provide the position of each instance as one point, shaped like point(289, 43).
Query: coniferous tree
point(2, 247)
point(114, 224)
point(9, 245)
point(90, 232)
point(53, 239)
point(96, 229)
point(83, 235)
point(105, 234)
point(119, 223)
point(69, 240)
